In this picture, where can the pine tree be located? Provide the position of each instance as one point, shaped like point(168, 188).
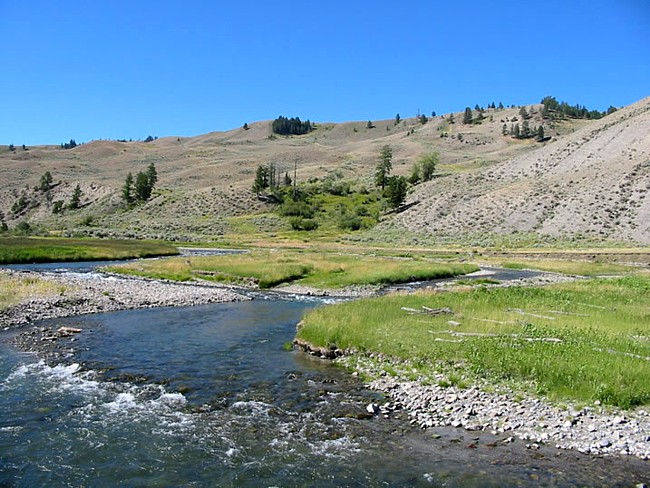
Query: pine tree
point(76, 197)
point(261, 181)
point(396, 191)
point(152, 176)
point(467, 116)
point(127, 190)
point(384, 167)
point(142, 187)
point(46, 182)
point(540, 133)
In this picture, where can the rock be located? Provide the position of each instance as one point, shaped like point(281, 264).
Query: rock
point(372, 408)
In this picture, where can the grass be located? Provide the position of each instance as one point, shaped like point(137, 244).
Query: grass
point(319, 270)
point(14, 290)
point(50, 249)
point(578, 267)
point(582, 341)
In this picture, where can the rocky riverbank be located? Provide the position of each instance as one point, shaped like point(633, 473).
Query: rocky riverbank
point(85, 294)
point(591, 429)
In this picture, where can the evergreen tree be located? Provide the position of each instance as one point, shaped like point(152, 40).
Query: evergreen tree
point(500, 106)
point(467, 116)
point(516, 131)
point(540, 133)
point(384, 167)
point(46, 182)
point(396, 191)
point(246, 126)
point(523, 112)
point(76, 197)
point(142, 188)
point(127, 190)
point(397, 119)
point(369, 125)
point(152, 176)
point(261, 181)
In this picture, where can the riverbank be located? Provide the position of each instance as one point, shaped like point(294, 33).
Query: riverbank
point(590, 429)
point(566, 368)
point(87, 294)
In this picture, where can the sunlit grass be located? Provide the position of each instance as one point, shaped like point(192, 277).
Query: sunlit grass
point(319, 270)
point(50, 249)
point(583, 340)
point(573, 267)
point(14, 289)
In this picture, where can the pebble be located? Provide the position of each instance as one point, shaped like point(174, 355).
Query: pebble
point(85, 295)
point(592, 430)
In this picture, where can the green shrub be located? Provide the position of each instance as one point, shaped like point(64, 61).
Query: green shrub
point(299, 223)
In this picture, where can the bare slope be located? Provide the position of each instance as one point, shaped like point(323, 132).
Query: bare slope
point(593, 182)
point(496, 183)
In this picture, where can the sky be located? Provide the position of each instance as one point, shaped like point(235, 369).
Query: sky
point(125, 69)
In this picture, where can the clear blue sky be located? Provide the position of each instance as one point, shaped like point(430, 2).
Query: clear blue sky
point(126, 69)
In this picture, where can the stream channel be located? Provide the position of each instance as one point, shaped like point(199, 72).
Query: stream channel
point(209, 396)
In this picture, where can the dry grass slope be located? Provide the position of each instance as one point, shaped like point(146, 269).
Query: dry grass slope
point(591, 178)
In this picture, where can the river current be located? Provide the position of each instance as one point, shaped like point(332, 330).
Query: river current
point(210, 396)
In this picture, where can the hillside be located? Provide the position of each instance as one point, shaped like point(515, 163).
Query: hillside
point(492, 183)
point(592, 183)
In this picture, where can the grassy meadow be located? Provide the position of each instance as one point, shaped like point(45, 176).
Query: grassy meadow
point(50, 249)
point(319, 270)
point(583, 341)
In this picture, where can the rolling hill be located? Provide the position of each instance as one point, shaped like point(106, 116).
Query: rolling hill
point(591, 178)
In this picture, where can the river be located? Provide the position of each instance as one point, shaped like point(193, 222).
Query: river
point(210, 396)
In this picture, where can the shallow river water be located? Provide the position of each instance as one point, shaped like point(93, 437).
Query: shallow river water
point(209, 396)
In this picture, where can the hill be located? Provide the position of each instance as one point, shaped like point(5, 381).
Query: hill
point(492, 183)
point(590, 184)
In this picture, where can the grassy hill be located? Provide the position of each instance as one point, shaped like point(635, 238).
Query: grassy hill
point(492, 184)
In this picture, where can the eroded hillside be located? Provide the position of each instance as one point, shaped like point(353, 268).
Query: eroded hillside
point(593, 182)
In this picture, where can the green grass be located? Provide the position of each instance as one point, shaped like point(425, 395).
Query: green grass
point(319, 270)
point(581, 341)
point(577, 267)
point(49, 249)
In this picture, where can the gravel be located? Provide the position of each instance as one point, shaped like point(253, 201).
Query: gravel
point(591, 429)
point(94, 293)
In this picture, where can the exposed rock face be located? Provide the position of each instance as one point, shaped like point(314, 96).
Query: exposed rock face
point(593, 182)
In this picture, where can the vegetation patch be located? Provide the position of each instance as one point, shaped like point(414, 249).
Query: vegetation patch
point(50, 249)
point(15, 289)
point(267, 269)
point(581, 341)
point(573, 267)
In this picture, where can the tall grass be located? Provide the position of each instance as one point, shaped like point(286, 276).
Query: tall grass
point(267, 269)
point(573, 267)
point(583, 341)
point(50, 249)
point(14, 289)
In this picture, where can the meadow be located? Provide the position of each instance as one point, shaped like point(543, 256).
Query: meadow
point(319, 270)
point(54, 249)
point(583, 341)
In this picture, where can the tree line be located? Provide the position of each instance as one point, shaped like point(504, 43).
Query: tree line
point(552, 108)
point(293, 126)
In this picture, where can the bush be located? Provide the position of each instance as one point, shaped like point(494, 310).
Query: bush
point(350, 222)
point(296, 209)
point(298, 223)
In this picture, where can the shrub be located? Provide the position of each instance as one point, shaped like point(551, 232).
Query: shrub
point(299, 223)
point(296, 209)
